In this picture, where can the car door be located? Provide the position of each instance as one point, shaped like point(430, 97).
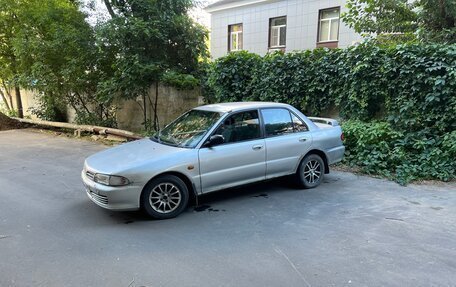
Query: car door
point(240, 159)
point(287, 139)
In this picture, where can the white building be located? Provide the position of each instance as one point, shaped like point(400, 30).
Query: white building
point(260, 26)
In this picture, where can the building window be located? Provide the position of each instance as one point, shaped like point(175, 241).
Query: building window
point(235, 37)
point(277, 32)
point(328, 29)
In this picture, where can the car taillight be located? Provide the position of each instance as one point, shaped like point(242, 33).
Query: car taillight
point(342, 137)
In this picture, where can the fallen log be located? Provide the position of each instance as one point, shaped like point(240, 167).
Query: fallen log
point(87, 128)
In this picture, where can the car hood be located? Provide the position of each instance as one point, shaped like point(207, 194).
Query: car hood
point(125, 156)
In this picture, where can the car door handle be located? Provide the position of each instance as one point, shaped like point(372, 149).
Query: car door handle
point(257, 147)
point(302, 139)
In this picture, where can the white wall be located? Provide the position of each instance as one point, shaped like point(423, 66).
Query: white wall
point(302, 25)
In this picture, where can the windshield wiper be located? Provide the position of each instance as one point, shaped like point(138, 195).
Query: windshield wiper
point(171, 141)
point(156, 137)
point(164, 140)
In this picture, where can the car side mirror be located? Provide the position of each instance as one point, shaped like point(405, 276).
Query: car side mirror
point(215, 140)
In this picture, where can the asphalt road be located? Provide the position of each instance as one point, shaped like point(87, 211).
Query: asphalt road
point(350, 231)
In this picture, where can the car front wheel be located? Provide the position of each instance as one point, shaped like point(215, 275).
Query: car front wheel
point(311, 171)
point(165, 197)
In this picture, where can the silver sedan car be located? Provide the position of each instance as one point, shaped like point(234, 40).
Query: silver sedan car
point(210, 148)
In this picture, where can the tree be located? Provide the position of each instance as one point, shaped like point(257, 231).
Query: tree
point(48, 47)
point(10, 25)
point(56, 52)
point(380, 16)
point(403, 20)
point(438, 20)
point(150, 41)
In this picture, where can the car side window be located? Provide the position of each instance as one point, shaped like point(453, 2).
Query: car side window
point(298, 124)
point(240, 127)
point(277, 122)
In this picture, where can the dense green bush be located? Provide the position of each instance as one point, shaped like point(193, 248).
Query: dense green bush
point(422, 88)
point(414, 85)
point(300, 79)
point(398, 104)
point(230, 78)
point(380, 148)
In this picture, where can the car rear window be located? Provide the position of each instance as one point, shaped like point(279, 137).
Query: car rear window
point(277, 122)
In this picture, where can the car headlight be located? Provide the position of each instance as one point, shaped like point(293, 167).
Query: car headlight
point(110, 180)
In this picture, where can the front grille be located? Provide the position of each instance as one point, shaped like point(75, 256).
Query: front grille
point(90, 175)
point(99, 198)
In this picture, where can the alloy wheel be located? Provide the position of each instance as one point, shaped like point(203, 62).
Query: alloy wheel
point(312, 171)
point(165, 197)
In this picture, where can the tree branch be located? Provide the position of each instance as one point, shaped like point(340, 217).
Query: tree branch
point(156, 122)
point(74, 107)
point(109, 7)
point(8, 94)
point(82, 102)
point(5, 101)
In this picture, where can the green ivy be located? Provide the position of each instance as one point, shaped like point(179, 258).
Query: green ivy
point(380, 148)
point(231, 77)
point(398, 104)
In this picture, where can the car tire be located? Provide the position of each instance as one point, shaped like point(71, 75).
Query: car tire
point(311, 171)
point(164, 197)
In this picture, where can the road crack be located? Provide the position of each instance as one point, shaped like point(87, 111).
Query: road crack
point(280, 252)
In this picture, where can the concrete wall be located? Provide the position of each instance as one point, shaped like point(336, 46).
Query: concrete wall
point(171, 103)
point(302, 25)
point(29, 101)
point(28, 98)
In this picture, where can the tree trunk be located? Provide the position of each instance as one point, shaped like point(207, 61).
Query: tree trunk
point(74, 107)
point(82, 103)
point(5, 101)
point(20, 112)
point(101, 111)
point(109, 7)
point(89, 128)
point(8, 94)
point(156, 123)
point(145, 110)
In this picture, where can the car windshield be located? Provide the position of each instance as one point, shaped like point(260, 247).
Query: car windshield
point(188, 129)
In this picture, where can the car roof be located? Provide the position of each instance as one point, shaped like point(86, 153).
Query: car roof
point(239, 106)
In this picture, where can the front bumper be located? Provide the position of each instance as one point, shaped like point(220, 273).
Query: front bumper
point(122, 198)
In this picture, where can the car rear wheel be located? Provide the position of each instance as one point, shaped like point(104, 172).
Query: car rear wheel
point(311, 171)
point(165, 197)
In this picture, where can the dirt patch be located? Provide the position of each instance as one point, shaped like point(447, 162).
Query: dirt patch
point(7, 123)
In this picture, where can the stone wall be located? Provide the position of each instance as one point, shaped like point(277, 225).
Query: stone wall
point(170, 104)
point(130, 116)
